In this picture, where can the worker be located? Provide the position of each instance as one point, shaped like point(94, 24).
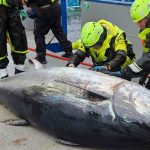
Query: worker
point(47, 14)
point(10, 21)
point(106, 44)
point(140, 13)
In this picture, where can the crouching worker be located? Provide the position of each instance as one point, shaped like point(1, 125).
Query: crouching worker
point(10, 21)
point(140, 13)
point(106, 44)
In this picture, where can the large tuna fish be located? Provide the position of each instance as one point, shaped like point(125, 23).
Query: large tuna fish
point(81, 106)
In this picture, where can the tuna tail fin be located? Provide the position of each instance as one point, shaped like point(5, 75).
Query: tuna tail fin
point(36, 63)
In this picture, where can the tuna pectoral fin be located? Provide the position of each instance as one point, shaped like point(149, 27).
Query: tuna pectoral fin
point(16, 122)
point(36, 63)
point(65, 142)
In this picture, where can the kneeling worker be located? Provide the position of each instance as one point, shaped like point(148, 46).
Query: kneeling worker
point(106, 44)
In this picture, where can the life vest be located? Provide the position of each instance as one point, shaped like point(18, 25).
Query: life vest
point(4, 2)
point(143, 36)
point(113, 34)
point(99, 56)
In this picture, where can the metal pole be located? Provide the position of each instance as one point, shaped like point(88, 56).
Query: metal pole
point(64, 15)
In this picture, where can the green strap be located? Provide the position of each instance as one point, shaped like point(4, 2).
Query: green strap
point(142, 35)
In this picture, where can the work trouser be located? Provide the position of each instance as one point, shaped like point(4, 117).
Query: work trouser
point(51, 20)
point(10, 21)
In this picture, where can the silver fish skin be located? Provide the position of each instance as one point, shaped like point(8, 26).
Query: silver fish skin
point(81, 106)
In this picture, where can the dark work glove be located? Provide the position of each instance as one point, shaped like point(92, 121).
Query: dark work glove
point(99, 68)
point(142, 80)
point(148, 84)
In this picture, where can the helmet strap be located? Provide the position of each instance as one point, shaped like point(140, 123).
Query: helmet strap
point(102, 37)
point(147, 25)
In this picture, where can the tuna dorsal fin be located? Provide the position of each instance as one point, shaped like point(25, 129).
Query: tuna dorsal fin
point(65, 142)
point(16, 122)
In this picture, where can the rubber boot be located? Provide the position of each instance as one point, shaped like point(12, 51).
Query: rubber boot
point(3, 73)
point(19, 69)
point(67, 55)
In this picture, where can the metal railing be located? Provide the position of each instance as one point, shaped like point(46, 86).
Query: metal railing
point(120, 2)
